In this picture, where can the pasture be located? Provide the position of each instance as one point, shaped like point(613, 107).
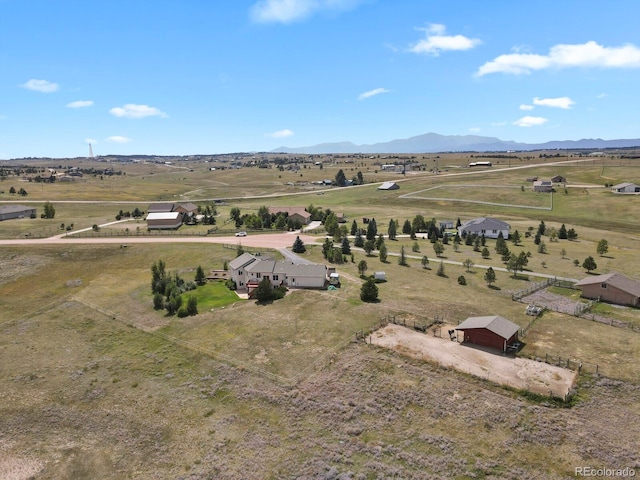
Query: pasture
point(99, 384)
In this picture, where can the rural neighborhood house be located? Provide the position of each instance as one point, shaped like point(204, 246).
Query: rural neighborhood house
point(248, 270)
point(489, 227)
point(612, 288)
point(7, 212)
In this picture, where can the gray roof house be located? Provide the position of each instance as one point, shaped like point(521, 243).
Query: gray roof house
point(389, 186)
point(611, 287)
point(161, 207)
point(625, 187)
point(489, 227)
point(8, 212)
point(248, 270)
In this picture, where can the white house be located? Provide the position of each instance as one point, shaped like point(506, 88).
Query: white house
point(489, 227)
point(626, 187)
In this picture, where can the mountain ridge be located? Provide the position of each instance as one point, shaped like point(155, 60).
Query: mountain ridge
point(435, 143)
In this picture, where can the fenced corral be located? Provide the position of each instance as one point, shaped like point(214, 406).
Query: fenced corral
point(517, 296)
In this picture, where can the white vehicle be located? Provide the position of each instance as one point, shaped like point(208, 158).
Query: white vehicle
point(241, 234)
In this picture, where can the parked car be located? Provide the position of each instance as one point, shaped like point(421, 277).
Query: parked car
point(241, 234)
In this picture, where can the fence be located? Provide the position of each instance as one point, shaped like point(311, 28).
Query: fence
point(532, 288)
point(565, 362)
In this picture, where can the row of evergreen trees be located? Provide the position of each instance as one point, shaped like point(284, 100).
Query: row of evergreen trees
point(167, 291)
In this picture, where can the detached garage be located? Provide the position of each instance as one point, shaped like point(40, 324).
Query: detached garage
point(8, 212)
point(164, 220)
point(492, 331)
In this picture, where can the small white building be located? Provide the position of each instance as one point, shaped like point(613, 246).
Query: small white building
point(389, 186)
point(380, 276)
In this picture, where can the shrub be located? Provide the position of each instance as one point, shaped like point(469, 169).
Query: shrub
point(462, 280)
point(182, 312)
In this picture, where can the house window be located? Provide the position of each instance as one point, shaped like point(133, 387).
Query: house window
point(239, 272)
point(258, 275)
point(495, 231)
point(275, 277)
point(603, 285)
point(242, 284)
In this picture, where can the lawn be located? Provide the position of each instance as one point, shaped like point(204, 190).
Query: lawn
point(213, 295)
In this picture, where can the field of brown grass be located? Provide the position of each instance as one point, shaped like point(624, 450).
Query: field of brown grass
point(96, 384)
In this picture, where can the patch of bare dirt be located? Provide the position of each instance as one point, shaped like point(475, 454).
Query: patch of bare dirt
point(521, 373)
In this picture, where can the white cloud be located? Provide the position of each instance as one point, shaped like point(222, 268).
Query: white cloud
point(529, 121)
point(289, 11)
point(282, 133)
point(475, 129)
point(588, 54)
point(560, 102)
point(526, 107)
point(91, 140)
point(437, 41)
point(118, 139)
point(43, 86)
point(131, 110)
point(372, 93)
point(80, 104)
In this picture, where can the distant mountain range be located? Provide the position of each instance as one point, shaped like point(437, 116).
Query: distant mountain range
point(433, 142)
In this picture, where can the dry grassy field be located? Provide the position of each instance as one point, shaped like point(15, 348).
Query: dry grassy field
point(97, 384)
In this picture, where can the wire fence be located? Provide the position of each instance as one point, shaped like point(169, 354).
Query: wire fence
point(532, 288)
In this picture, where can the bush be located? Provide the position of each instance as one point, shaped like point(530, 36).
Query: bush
point(462, 280)
point(182, 312)
point(230, 284)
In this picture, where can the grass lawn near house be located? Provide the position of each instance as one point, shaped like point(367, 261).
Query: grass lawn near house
point(213, 295)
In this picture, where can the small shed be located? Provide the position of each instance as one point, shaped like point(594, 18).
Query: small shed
point(490, 331)
point(334, 278)
point(559, 179)
point(380, 276)
point(389, 186)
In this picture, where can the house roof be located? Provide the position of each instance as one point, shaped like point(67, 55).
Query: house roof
point(542, 183)
point(615, 280)
point(189, 207)
point(300, 269)
point(241, 261)
point(15, 208)
point(624, 185)
point(485, 223)
point(289, 211)
point(161, 207)
point(164, 216)
point(389, 186)
point(494, 323)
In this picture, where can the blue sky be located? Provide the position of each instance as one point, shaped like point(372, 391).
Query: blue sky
point(186, 77)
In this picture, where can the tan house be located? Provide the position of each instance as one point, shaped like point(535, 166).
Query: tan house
point(186, 208)
point(248, 270)
point(164, 220)
point(542, 186)
point(297, 214)
point(612, 288)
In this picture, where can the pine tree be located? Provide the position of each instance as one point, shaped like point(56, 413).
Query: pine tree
point(369, 291)
point(562, 232)
point(359, 240)
point(264, 292)
point(346, 246)
point(406, 227)
point(490, 276)
point(391, 231)
point(298, 246)
point(402, 260)
point(383, 252)
point(200, 276)
point(354, 227)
